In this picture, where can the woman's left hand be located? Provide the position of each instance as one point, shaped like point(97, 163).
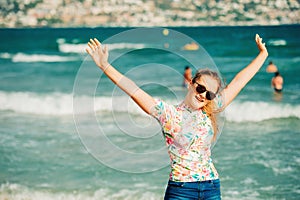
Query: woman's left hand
point(261, 46)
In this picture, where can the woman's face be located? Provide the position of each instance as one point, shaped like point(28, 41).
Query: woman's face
point(196, 100)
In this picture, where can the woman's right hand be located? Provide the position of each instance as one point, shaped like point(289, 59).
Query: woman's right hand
point(98, 54)
point(100, 57)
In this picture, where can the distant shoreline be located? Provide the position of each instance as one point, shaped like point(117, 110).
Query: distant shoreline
point(131, 27)
point(139, 13)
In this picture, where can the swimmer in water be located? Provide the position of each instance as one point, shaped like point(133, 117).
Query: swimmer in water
point(187, 76)
point(277, 82)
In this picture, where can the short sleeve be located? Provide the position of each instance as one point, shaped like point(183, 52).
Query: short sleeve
point(162, 111)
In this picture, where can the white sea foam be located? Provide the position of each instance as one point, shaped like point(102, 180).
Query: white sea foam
point(72, 48)
point(62, 104)
point(237, 194)
point(18, 192)
point(26, 102)
point(80, 48)
point(259, 111)
point(22, 57)
point(5, 55)
point(60, 40)
point(277, 42)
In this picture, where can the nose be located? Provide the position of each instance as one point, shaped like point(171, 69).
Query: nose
point(202, 95)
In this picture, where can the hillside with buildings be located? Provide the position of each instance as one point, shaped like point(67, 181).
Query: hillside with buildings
point(136, 13)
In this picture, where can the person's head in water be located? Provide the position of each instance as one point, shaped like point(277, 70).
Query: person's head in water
point(188, 71)
point(187, 76)
point(204, 87)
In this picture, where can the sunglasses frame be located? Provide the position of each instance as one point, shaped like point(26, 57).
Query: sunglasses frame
point(200, 89)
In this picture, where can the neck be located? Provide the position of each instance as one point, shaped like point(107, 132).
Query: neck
point(188, 103)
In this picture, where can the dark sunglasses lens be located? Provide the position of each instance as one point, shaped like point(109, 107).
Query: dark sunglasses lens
point(200, 89)
point(210, 95)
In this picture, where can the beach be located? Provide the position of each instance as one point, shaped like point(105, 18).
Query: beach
point(66, 132)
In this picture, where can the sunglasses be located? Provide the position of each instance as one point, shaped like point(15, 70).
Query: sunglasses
point(201, 89)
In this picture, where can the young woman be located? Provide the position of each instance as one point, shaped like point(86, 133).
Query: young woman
point(190, 127)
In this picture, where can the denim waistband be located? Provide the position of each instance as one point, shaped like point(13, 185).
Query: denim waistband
point(196, 184)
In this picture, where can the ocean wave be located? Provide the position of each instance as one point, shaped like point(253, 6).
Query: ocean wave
point(260, 111)
point(22, 57)
point(277, 42)
point(32, 103)
point(62, 104)
point(11, 191)
point(80, 48)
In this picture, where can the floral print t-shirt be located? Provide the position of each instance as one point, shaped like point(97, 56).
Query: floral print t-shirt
point(188, 134)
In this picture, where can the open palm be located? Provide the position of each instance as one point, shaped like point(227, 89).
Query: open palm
point(98, 54)
point(261, 46)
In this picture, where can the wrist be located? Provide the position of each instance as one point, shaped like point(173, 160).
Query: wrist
point(105, 66)
point(264, 53)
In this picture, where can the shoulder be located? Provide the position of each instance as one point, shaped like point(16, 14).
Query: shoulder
point(162, 106)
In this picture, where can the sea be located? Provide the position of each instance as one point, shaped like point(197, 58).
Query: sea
point(67, 132)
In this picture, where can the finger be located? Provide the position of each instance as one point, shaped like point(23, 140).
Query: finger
point(88, 51)
point(93, 42)
point(97, 42)
point(258, 40)
point(105, 49)
point(91, 46)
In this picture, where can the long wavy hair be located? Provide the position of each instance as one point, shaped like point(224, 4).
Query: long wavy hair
point(211, 108)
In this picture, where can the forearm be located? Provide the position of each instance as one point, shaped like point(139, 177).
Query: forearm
point(246, 74)
point(243, 77)
point(140, 97)
point(124, 83)
point(100, 57)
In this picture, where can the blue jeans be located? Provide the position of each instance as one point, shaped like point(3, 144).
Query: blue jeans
point(201, 190)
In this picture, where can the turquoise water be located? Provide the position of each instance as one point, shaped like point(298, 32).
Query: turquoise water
point(57, 113)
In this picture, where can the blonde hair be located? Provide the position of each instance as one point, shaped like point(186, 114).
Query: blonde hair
point(210, 108)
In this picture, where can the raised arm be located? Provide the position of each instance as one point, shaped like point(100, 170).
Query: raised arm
point(246, 74)
point(100, 57)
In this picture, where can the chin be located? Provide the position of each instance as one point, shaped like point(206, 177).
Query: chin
point(196, 104)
